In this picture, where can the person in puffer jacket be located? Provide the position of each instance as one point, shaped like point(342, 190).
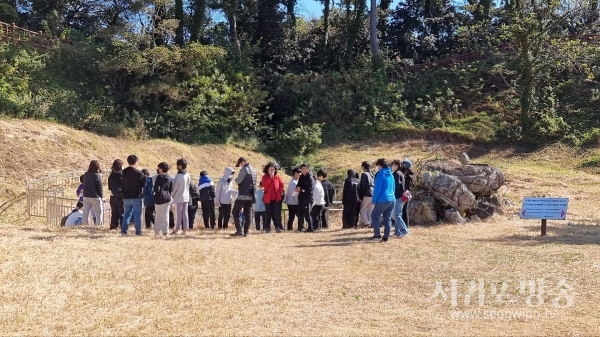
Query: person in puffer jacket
point(383, 200)
point(148, 198)
point(207, 200)
point(223, 197)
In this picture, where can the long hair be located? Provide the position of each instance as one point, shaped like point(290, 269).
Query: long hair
point(94, 166)
point(117, 166)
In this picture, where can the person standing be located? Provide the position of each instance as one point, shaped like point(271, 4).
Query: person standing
point(365, 194)
point(291, 199)
point(193, 204)
point(246, 181)
point(408, 177)
point(273, 197)
point(350, 200)
point(383, 200)
point(318, 205)
point(400, 229)
point(148, 200)
point(132, 188)
point(259, 208)
point(181, 197)
point(329, 191)
point(162, 188)
point(223, 197)
point(92, 194)
point(115, 181)
point(304, 188)
point(207, 200)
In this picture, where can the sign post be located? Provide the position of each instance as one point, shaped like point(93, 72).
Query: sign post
point(544, 209)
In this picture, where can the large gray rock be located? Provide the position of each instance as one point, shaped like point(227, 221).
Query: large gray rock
point(448, 189)
point(484, 210)
point(479, 179)
point(453, 216)
point(464, 158)
point(422, 211)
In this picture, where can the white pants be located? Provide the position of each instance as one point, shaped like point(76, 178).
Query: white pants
point(161, 221)
point(94, 204)
point(366, 208)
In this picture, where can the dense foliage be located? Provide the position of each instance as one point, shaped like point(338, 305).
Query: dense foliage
point(217, 70)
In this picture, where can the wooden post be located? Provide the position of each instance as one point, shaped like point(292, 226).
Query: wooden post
point(543, 227)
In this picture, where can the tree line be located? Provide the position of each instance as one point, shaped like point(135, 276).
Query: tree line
point(217, 70)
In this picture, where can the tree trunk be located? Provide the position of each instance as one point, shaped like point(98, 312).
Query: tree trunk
point(291, 17)
point(179, 17)
point(325, 42)
point(198, 19)
point(233, 34)
point(526, 83)
point(354, 29)
point(374, 18)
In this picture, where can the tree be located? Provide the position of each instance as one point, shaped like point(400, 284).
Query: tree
point(355, 19)
point(374, 20)
point(179, 17)
point(198, 19)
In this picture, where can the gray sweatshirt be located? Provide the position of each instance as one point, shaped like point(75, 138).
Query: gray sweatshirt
point(289, 198)
point(223, 192)
point(181, 188)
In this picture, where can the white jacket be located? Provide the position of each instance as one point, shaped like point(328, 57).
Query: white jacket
point(181, 188)
point(318, 194)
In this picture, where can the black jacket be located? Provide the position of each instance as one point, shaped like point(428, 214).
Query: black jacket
point(115, 181)
point(194, 195)
point(246, 181)
point(163, 187)
point(367, 182)
point(133, 183)
point(207, 193)
point(408, 177)
point(92, 185)
point(399, 184)
point(306, 184)
point(329, 192)
point(350, 193)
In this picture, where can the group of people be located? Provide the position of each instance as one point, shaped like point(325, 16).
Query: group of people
point(171, 202)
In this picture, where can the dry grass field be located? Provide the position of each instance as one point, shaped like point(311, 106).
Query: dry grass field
point(89, 281)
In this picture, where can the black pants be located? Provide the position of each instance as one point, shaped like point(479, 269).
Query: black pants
point(171, 219)
point(246, 205)
point(208, 213)
point(349, 215)
point(149, 216)
point(304, 209)
point(117, 209)
point(224, 215)
point(325, 217)
point(293, 213)
point(192, 210)
point(405, 213)
point(257, 219)
point(273, 214)
point(315, 214)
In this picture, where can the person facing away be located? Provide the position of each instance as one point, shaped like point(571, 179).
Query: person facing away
point(273, 197)
point(291, 199)
point(115, 182)
point(329, 196)
point(181, 197)
point(408, 177)
point(304, 188)
point(383, 200)
point(75, 217)
point(79, 192)
point(92, 194)
point(259, 207)
point(148, 199)
point(207, 199)
point(318, 205)
point(400, 229)
point(246, 181)
point(134, 182)
point(162, 189)
point(350, 200)
point(365, 194)
point(223, 197)
point(193, 203)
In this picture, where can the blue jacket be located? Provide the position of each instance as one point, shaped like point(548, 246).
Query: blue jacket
point(384, 186)
point(148, 192)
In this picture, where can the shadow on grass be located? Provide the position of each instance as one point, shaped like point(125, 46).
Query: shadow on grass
point(568, 234)
point(340, 242)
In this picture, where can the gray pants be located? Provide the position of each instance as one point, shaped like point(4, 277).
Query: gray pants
point(94, 204)
point(181, 216)
point(161, 218)
point(366, 208)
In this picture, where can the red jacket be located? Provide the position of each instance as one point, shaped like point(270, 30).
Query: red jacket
point(273, 188)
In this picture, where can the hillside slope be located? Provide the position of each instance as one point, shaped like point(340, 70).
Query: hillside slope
point(33, 149)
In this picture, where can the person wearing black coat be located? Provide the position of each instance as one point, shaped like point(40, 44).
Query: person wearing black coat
point(329, 191)
point(408, 177)
point(304, 188)
point(115, 181)
point(92, 194)
point(350, 201)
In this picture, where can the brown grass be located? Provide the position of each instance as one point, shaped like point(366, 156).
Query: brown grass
point(89, 281)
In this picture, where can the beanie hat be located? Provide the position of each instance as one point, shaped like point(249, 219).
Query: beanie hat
point(407, 163)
